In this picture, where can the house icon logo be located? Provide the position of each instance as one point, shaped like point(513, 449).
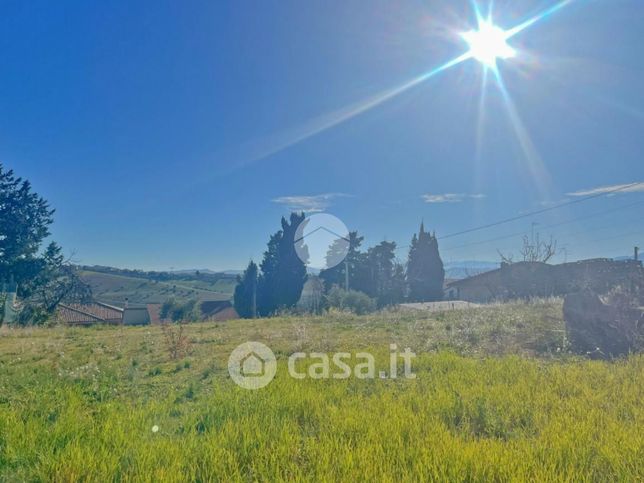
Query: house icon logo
point(252, 365)
point(322, 241)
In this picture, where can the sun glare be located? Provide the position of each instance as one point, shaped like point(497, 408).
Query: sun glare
point(488, 43)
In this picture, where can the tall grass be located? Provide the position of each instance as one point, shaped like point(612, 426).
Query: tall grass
point(82, 405)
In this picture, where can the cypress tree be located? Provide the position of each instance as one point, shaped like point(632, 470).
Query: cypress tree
point(283, 273)
point(246, 292)
point(354, 259)
point(425, 272)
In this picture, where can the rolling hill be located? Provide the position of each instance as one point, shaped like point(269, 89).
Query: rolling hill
point(116, 289)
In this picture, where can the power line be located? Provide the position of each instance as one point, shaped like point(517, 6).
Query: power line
point(614, 237)
point(537, 212)
point(543, 210)
point(553, 225)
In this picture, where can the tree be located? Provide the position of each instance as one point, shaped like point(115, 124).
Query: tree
point(283, 272)
point(245, 298)
point(386, 280)
point(312, 299)
point(425, 271)
point(354, 260)
point(43, 281)
point(174, 317)
point(357, 302)
point(180, 312)
point(55, 281)
point(534, 250)
point(25, 218)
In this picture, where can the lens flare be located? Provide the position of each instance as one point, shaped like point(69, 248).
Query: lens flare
point(488, 43)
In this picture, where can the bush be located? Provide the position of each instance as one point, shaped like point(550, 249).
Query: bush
point(180, 312)
point(357, 302)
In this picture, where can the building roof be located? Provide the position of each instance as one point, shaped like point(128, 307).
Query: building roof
point(620, 264)
point(155, 313)
point(210, 308)
point(95, 312)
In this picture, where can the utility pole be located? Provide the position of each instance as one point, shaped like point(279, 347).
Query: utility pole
point(637, 253)
point(346, 275)
point(254, 298)
point(10, 313)
point(534, 223)
point(564, 249)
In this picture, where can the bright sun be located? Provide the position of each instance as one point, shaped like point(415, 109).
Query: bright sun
point(488, 43)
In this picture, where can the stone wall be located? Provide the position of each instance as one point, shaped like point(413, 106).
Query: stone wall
point(528, 279)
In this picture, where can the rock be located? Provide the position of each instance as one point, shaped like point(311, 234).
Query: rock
point(600, 330)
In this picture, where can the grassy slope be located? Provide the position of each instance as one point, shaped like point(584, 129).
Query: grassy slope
point(493, 399)
point(116, 288)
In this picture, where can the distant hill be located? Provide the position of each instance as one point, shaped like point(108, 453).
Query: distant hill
point(116, 285)
point(193, 271)
point(468, 268)
point(115, 288)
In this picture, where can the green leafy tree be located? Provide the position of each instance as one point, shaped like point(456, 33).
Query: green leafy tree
point(357, 302)
point(283, 272)
point(56, 280)
point(175, 311)
point(25, 218)
point(45, 280)
point(386, 283)
point(245, 298)
point(354, 260)
point(425, 271)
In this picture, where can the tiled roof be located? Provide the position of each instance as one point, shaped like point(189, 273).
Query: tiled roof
point(89, 313)
point(210, 308)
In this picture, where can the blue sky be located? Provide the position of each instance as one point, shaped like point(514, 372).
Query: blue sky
point(174, 134)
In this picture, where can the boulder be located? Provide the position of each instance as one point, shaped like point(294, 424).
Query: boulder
point(600, 330)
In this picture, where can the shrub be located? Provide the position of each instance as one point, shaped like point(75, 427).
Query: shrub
point(357, 302)
point(180, 312)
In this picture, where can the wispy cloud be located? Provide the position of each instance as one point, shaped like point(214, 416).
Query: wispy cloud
point(615, 188)
point(309, 204)
point(451, 197)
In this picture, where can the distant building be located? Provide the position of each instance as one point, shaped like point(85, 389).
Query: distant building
point(218, 310)
point(535, 279)
point(136, 316)
point(101, 313)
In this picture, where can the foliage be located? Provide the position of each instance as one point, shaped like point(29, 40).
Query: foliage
point(206, 279)
point(43, 281)
point(357, 302)
point(386, 277)
point(119, 289)
point(376, 272)
point(176, 341)
point(312, 300)
point(354, 259)
point(175, 311)
point(283, 274)
point(245, 298)
point(56, 280)
point(425, 272)
point(25, 218)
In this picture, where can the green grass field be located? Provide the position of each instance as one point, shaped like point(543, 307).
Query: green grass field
point(115, 289)
point(495, 398)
